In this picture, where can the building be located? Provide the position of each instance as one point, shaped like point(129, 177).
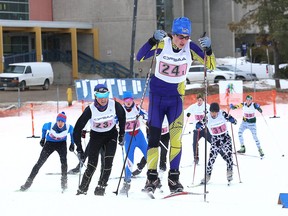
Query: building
point(104, 30)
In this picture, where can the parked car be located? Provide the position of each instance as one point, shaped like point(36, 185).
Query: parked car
point(196, 74)
point(240, 74)
point(27, 74)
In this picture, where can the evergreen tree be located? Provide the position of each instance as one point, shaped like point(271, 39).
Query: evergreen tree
point(271, 17)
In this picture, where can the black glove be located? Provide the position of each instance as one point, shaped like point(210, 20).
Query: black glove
point(81, 156)
point(121, 140)
point(42, 142)
point(188, 115)
point(72, 147)
point(83, 133)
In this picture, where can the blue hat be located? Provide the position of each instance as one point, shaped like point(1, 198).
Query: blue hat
point(101, 91)
point(182, 25)
point(127, 94)
point(61, 117)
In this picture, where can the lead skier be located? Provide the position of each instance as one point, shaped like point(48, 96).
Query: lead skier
point(174, 56)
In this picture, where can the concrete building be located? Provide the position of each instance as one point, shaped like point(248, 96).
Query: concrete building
point(105, 30)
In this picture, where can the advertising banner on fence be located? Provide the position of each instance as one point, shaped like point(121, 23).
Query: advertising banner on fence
point(85, 88)
point(230, 91)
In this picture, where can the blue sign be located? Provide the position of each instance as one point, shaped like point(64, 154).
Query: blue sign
point(85, 88)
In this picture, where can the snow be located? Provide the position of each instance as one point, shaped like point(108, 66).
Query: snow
point(255, 191)
point(261, 180)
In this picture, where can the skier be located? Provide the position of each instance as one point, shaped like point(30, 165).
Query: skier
point(198, 109)
point(134, 136)
point(220, 140)
point(55, 134)
point(103, 115)
point(249, 122)
point(167, 88)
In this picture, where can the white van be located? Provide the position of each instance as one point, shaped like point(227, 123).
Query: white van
point(27, 74)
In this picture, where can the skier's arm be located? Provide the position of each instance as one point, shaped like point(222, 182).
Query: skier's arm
point(148, 49)
point(257, 106)
point(121, 115)
point(198, 54)
point(80, 124)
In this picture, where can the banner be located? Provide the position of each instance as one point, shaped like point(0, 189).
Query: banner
point(85, 88)
point(230, 91)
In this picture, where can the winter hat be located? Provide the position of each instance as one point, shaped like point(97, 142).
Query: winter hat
point(127, 94)
point(61, 117)
point(182, 25)
point(214, 107)
point(249, 97)
point(101, 91)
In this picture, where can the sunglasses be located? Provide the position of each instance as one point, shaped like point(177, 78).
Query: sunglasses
point(181, 37)
point(127, 100)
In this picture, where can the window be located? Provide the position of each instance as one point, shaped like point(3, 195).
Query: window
point(164, 14)
point(14, 9)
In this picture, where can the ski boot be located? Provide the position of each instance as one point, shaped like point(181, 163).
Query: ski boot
point(173, 181)
point(261, 153)
point(79, 192)
point(126, 187)
point(208, 177)
point(136, 172)
point(100, 189)
point(27, 185)
point(229, 175)
point(152, 182)
point(196, 159)
point(242, 150)
point(75, 170)
point(64, 182)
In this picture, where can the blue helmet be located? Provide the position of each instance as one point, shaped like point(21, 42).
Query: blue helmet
point(101, 91)
point(127, 94)
point(182, 25)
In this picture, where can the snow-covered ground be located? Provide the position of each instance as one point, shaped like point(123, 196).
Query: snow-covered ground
point(254, 192)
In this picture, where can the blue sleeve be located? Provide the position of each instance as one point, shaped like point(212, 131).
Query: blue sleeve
point(71, 130)
point(45, 128)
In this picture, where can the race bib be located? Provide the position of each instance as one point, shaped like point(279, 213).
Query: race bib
point(164, 130)
point(131, 124)
point(172, 70)
point(249, 115)
point(219, 129)
point(199, 117)
point(104, 124)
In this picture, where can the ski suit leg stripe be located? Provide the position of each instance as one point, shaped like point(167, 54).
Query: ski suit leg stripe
point(176, 120)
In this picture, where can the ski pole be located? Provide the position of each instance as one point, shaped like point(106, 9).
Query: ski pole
point(205, 116)
point(235, 153)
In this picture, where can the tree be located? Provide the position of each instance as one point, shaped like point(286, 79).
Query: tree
point(271, 16)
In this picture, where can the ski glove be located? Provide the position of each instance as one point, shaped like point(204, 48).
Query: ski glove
point(159, 35)
point(42, 142)
point(199, 125)
point(72, 147)
point(121, 140)
point(232, 120)
point(205, 42)
point(232, 106)
point(83, 133)
point(80, 154)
